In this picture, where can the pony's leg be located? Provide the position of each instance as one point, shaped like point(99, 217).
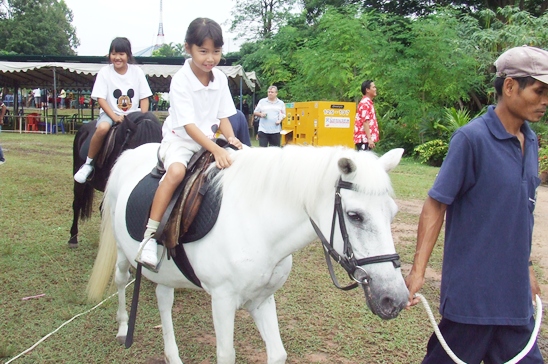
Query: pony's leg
point(164, 295)
point(266, 319)
point(121, 277)
point(224, 313)
point(76, 208)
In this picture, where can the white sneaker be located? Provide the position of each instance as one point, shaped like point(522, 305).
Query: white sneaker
point(83, 173)
point(149, 257)
point(2, 161)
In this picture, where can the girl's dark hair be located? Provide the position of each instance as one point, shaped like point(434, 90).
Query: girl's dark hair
point(201, 29)
point(366, 85)
point(122, 45)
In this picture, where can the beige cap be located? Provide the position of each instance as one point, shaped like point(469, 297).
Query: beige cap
point(523, 62)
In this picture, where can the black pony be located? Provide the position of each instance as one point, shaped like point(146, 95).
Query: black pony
point(137, 128)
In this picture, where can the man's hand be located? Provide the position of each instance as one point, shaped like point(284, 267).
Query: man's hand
point(535, 288)
point(414, 283)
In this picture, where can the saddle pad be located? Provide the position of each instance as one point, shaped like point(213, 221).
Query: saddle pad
point(138, 206)
point(85, 145)
point(138, 210)
point(206, 217)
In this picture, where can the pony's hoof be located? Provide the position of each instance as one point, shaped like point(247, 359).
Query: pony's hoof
point(73, 242)
point(121, 340)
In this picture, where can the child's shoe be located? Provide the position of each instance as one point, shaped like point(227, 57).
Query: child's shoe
point(148, 257)
point(83, 173)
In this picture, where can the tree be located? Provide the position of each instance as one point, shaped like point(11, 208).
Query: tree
point(170, 50)
point(38, 27)
point(259, 19)
point(314, 9)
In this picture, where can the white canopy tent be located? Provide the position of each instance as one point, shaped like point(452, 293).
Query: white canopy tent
point(81, 76)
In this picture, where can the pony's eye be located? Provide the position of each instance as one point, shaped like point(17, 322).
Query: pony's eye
point(354, 216)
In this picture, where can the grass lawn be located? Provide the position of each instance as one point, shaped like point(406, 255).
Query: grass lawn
point(318, 323)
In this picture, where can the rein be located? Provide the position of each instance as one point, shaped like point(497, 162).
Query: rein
point(350, 264)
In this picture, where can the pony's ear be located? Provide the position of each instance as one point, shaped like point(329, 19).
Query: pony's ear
point(391, 159)
point(346, 166)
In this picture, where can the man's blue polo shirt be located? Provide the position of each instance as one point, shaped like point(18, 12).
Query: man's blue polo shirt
point(490, 189)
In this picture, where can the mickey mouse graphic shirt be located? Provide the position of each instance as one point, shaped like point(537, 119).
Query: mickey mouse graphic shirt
point(122, 92)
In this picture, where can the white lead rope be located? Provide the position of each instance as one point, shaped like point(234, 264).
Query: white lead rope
point(65, 323)
point(516, 359)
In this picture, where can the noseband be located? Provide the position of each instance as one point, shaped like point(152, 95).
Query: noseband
point(350, 264)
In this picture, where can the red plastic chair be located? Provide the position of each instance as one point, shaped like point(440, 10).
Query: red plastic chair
point(32, 122)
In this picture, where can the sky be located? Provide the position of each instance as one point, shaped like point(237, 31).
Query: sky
point(98, 22)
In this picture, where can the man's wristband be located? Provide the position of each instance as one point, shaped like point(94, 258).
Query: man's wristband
point(530, 263)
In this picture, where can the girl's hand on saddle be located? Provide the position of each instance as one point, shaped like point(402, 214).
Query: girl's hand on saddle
point(222, 158)
point(119, 119)
point(235, 142)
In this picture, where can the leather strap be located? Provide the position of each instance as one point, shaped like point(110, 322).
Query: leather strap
point(347, 261)
point(134, 303)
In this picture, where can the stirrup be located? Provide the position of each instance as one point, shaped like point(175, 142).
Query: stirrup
point(151, 268)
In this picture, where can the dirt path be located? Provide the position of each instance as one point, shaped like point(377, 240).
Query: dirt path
point(540, 235)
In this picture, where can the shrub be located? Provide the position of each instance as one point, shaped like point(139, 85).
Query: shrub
point(432, 152)
point(543, 159)
point(396, 134)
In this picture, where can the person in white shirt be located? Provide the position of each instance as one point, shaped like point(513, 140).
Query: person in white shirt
point(271, 111)
point(120, 88)
point(200, 104)
point(37, 97)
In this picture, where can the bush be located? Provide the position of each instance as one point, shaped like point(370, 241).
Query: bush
point(396, 134)
point(543, 159)
point(432, 152)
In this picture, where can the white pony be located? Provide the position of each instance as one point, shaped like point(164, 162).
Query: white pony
point(271, 198)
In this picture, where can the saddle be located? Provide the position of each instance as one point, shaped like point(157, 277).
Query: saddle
point(192, 203)
point(186, 201)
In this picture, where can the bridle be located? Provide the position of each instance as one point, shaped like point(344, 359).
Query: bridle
point(350, 264)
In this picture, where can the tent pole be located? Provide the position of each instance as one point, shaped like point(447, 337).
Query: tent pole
point(54, 102)
point(241, 92)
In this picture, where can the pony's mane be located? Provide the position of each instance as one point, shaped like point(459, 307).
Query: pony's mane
point(145, 128)
point(299, 174)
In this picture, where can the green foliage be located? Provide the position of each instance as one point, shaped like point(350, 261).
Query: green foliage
point(432, 72)
point(541, 129)
point(170, 50)
point(395, 133)
point(443, 127)
point(455, 119)
point(543, 159)
point(38, 27)
point(432, 152)
point(259, 19)
point(335, 77)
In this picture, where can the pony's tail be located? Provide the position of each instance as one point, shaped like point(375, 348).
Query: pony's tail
point(105, 261)
point(85, 199)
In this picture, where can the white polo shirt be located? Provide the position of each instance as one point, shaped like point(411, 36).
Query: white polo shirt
point(193, 103)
